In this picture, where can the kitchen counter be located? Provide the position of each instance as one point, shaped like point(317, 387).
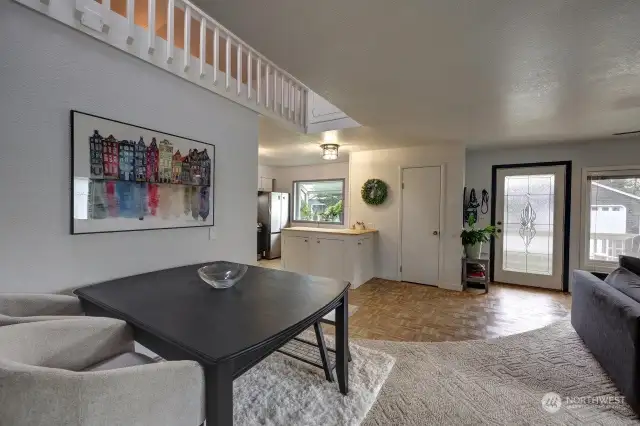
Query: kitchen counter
point(339, 231)
point(339, 253)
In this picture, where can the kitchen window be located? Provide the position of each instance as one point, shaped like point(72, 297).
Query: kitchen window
point(611, 216)
point(319, 201)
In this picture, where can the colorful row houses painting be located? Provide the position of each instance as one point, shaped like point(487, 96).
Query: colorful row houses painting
point(152, 162)
point(95, 153)
point(141, 161)
point(166, 159)
point(129, 161)
point(134, 200)
point(133, 178)
point(176, 174)
point(111, 158)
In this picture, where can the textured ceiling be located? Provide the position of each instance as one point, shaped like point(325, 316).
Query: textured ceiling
point(482, 72)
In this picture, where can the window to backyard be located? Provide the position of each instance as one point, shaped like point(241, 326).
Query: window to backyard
point(319, 201)
point(611, 215)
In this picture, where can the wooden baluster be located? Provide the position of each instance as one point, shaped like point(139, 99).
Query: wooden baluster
point(216, 54)
point(303, 107)
point(131, 26)
point(106, 12)
point(292, 99)
point(151, 24)
point(282, 95)
point(228, 62)
point(203, 46)
point(258, 80)
point(187, 37)
point(299, 110)
point(275, 88)
point(266, 88)
point(170, 16)
point(249, 73)
point(239, 70)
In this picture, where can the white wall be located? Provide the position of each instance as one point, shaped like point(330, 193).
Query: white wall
point(266, 171)
point(285, 176)
point(386, 165)
point(48, 69)
point(593, 154)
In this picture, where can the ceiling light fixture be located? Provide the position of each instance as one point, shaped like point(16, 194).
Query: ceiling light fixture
point(329, 151)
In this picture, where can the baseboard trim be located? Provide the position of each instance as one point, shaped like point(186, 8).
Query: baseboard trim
point(449, 286)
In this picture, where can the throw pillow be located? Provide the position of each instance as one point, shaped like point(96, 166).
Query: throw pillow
point(625, 282)
point(631, 263)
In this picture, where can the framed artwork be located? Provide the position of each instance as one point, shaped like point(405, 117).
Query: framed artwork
point(130, 178)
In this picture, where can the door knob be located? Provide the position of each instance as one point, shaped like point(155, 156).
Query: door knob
point(498, 230)
point(318, 241)
point(435, 232)
point(499, 222)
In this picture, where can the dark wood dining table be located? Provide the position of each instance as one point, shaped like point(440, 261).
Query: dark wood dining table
point(180, 317)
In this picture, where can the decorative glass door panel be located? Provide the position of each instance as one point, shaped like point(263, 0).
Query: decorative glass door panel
point(529, 218)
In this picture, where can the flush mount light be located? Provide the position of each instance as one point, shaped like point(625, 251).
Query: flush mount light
point(329, 151)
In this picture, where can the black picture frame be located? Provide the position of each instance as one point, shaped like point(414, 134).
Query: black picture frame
point(74, 143)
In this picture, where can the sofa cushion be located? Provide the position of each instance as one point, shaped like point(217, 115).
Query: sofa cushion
point(631, 263)
point(625, 282)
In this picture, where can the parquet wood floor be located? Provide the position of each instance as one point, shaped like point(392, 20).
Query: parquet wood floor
point(392, 310)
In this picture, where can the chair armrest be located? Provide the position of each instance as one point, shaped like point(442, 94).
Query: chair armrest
point(29, 305)
point(71, 344)
point(6, 320)
point(163, 394)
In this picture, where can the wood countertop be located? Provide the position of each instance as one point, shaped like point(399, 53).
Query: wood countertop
point(340, 231)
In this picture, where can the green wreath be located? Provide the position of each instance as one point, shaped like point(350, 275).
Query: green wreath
point(374, 192)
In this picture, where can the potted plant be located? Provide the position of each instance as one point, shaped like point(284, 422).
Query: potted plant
point(472, 238)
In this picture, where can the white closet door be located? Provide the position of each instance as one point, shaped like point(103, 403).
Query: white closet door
point(420, 246)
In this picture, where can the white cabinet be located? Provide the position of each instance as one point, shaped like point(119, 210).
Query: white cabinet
point(295, 254)
point(326, 258)
point(265, 184)
point(363, 262)
point(329, 254)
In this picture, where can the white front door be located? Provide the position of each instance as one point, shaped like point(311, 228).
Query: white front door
point(420, 245)
point(530, 220)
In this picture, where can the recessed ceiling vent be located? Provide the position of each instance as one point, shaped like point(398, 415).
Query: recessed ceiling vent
point(634, 132)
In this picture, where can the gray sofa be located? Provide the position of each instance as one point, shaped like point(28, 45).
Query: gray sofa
point(606, 315)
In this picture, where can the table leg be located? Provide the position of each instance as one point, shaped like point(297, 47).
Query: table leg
point(219, 395)
point(342, 344)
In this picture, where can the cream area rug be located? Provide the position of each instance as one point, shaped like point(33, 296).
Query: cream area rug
point(284, 391)
point(498, 382)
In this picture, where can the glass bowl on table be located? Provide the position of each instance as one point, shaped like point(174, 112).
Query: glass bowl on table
point(222, 274)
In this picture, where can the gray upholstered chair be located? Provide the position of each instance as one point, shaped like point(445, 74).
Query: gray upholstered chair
point(16, 308)
point(77, 372)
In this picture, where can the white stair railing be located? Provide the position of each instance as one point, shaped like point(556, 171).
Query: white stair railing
point(258, 83)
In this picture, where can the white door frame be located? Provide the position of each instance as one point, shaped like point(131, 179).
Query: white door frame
point(442, 219)
point(567, 212)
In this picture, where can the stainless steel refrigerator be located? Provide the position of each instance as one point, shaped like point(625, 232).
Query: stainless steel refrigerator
point(273, 213)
